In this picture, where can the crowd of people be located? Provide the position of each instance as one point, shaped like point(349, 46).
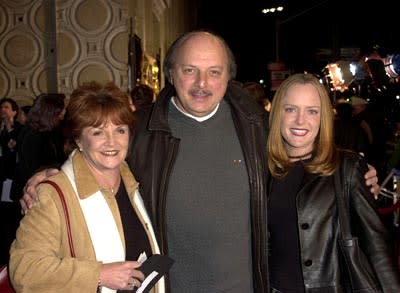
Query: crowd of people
point(241, 197)
point(29, 140)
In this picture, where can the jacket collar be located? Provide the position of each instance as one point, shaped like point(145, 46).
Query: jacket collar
point(159, 115)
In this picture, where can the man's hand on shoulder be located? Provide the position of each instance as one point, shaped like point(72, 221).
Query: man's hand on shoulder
point(30, 194)
point(371, 179)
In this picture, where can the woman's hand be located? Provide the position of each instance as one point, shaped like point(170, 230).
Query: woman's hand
point(121, 275)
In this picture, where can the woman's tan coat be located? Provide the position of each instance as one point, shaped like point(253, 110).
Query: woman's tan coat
point(40, 259)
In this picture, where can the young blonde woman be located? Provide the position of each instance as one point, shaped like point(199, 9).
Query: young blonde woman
point(302, 161)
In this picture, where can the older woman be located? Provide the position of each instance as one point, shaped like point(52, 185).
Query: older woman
point(302, 200)
point(110, 227)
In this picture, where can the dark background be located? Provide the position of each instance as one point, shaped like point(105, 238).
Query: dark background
point(308, 26)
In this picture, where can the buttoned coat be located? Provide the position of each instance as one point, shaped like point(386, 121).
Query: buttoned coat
point(318, 229)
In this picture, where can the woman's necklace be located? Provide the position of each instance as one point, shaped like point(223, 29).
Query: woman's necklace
point(112, 188)
point(301, 157)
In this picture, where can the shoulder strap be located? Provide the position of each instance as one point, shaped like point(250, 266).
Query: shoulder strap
point(343, 211)
point(66, 214)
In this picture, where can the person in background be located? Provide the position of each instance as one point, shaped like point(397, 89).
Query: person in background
point(257, 91)
point(199, 155)
point(302, 160)
point(348, 134)
point(372, 119)
point(40, 142)
point(110, 226)
point(22, 114)
point(393, 161)
point(236, 82)
point(9, 131)
point(9, 210)
point(142, 96)
point(359, 108)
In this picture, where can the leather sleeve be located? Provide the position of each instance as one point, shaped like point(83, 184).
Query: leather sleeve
point(374, 238)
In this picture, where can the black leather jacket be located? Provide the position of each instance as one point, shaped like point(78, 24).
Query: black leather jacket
point(154, 149)
point(318, 230)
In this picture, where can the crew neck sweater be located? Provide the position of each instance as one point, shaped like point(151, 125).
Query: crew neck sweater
point(208, 207)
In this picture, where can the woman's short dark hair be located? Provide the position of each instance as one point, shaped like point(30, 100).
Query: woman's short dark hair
point(93, 104)
point(14, 105)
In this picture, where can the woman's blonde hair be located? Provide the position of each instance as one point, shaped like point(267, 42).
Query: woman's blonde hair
point(324, 158)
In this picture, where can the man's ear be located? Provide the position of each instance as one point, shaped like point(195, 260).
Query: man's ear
point(171, 80)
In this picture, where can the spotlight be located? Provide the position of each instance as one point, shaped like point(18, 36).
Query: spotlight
point(392, 65)
point(341, 74)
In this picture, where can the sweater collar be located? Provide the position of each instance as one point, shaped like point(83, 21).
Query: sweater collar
point(235, 96)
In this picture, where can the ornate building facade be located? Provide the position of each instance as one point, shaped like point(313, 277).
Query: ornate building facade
point(54, 45)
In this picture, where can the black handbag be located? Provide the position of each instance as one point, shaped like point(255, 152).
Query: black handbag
point(358, 274)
